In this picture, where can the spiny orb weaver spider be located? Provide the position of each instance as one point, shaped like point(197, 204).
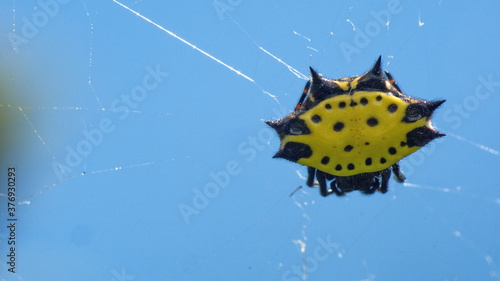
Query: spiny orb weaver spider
point(353, 131)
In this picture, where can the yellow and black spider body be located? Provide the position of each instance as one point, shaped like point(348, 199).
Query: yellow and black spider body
point(353, 131)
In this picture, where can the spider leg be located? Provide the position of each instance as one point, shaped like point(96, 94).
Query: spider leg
point(374, 187)
point(303, 96)
point(320, 176)
point(311, 173)
point(335, 189)
point(398, 175)
point(392, 81)
point(384, 186)
point(329, 177)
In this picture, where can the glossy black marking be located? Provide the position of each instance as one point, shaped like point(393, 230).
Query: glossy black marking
point(364, 101)
point(338, 167)
point(289, 126)
point(316, 118)
point(372, 122)
point(392, 150)
point(392, 107)
point(415, 112)
point(293, 151)
point(328, 106)
point(338, 126)
point(348, 148)
point(421, 136)
point(379, 98)
point(350, 166)
point(382, 160)
point(342, 104)
point(325, 160)
point(368, 161)
point(298, 127)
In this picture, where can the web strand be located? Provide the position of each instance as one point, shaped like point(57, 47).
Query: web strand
point(186, 42)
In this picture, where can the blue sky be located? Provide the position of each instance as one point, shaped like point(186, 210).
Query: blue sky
point(141, 153)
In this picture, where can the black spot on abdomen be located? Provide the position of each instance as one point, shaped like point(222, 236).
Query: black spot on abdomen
point(316, 118)
point(338, 126)
point(392, 150)
point(368, 161)
point(363, 101)
point(372, 122)
point(325, 160)
point(293, 151)
point(392, 108)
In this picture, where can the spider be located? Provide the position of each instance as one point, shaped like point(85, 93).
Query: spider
point(353, 131)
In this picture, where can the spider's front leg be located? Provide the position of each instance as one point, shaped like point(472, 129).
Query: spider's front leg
point(374, 187)
point(323, 190)
point(335, 189)
point(386, 175)
point(398, 175)
point(311, 174)
point(303, 96)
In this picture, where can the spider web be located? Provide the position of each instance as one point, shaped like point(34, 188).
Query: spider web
point(141, 152)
